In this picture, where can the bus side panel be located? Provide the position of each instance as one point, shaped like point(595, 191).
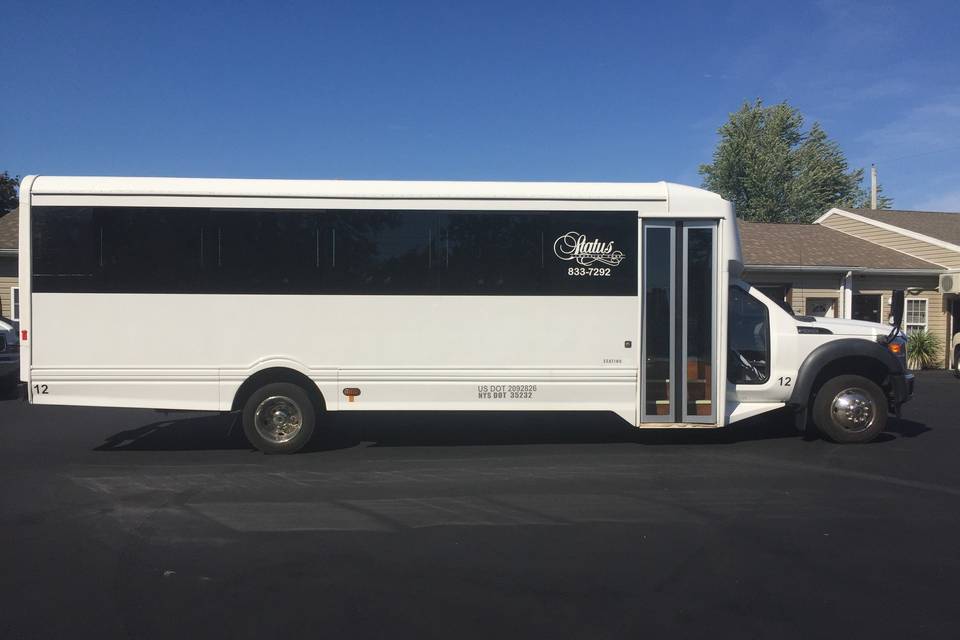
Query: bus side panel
point(493, 390)
point(192, 388)
point(403, 352)
point(25, 279)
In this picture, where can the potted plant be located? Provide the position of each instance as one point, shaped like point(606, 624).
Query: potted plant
point(923, 349)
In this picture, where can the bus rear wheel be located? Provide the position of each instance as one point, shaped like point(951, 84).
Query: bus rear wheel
point(279, 418)
point(850, 409)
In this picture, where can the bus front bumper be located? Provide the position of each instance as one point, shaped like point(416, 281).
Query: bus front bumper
point(901, 390)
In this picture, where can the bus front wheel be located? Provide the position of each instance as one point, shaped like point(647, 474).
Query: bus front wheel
point(850, 408)
point(279, 418)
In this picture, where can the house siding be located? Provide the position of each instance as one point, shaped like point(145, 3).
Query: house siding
point(817, 287)
point(803, 286)
point(938, 315)
point(893, 240)
point(8, 279)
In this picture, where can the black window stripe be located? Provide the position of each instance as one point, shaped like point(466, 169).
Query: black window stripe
point(379, 252)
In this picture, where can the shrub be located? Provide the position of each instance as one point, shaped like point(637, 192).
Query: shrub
point(923, 349)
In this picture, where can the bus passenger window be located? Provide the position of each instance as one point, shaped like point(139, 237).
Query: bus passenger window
point(748, 339)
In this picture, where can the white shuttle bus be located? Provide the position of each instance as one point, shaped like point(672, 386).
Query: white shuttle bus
point(284, 300)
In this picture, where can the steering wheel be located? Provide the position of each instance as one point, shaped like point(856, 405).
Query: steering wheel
point(746, 365)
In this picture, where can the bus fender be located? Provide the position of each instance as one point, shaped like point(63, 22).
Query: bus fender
point(272, 370)
point(826, 354)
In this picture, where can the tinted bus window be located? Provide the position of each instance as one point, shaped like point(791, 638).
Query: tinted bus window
point(591, 253)
point(150, 250)
point(267, 252)
point(66, 249)
point(748, 339)
point(381, 252)
point(199, 250)
point(492, 253)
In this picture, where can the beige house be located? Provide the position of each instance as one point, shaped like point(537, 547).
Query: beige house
point(9, 284)
point(849, 261)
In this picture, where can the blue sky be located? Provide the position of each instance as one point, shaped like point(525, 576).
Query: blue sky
point(481, 90)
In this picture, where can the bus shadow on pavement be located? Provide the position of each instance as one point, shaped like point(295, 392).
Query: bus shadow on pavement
point(465, 428)
point(904, 428)
point(511, 428)
point(199, 433)
point(469, 428)
point(10, 393)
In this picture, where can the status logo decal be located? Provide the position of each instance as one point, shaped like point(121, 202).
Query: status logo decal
point(585, 252)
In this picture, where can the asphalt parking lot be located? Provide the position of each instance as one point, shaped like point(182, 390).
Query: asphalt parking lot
point(122, 523)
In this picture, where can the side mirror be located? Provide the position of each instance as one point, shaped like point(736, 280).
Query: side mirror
point(896, 308)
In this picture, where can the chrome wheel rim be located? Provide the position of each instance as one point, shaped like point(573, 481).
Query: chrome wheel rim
point(853, 409)
point(278, 419)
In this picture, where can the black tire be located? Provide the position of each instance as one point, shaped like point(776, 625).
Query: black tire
point(956, 361)
point(850, 409)
point(290, 401)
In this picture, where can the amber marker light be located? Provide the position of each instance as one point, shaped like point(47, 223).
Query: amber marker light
point(896, 348)
point(351, 393)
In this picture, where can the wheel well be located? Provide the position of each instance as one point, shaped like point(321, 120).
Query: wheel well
point(867, 367)
point(277, 374)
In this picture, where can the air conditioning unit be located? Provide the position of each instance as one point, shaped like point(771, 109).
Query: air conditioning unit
point(950, 282)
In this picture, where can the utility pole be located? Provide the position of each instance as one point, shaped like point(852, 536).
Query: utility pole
point(873, 186)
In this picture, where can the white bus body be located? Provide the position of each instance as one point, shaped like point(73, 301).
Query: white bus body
point(193, 293)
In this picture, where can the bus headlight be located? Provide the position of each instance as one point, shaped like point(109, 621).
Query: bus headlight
point(898, 347)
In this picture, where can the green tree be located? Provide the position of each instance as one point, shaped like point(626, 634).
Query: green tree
point(774, 170)
point(8, 192)
point(862, 200)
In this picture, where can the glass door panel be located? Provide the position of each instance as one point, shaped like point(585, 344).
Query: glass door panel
point(699, 322)
point(679, 333)
point(659, 258)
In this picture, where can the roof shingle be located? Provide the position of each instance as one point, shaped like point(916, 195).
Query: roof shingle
point(815, 245)
point(940, 225)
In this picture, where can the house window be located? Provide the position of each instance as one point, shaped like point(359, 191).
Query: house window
point(866, 307)
point(15, 303)
point(822, 307)
point(916, 314)
point(779, 293)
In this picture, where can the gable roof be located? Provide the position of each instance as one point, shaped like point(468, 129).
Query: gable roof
point(814, 245)
point(9, 230)
point(941, 225)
